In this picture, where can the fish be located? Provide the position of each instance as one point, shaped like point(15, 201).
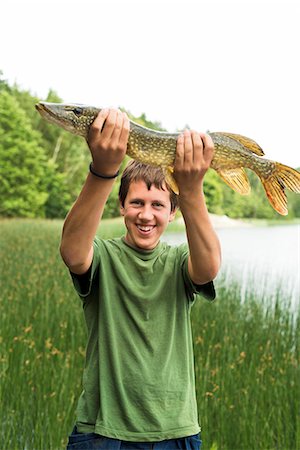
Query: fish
point(232, 153)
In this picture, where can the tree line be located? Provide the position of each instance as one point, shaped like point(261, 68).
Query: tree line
point(42, 167)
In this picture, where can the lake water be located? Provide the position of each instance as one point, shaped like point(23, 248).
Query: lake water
point(264, 256)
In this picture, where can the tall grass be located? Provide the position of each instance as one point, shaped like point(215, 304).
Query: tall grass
point(247, 368)
point(246, 353)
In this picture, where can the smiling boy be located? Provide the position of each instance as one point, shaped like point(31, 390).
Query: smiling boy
point(146, 211)
point(137, 293)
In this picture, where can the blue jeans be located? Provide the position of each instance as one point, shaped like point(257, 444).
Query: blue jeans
point(93, 441)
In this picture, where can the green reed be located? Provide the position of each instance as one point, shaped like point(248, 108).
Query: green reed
point(247, 369)
point(246, 353)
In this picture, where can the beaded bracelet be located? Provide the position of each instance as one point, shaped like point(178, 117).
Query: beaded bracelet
point(99, 175)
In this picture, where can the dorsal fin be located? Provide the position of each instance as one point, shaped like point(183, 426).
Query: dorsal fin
point(237, 179)
point(246, 142)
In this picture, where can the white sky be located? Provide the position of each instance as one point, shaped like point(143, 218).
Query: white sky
point(217, 65)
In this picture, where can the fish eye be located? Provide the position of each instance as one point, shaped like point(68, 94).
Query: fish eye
point(78, 111)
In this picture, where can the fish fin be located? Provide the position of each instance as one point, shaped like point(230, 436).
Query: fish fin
point(168, 172)
point(250, 144)
point(282, 177)
point(237, 179)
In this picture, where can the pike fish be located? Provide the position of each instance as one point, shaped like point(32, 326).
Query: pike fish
point(233, 153)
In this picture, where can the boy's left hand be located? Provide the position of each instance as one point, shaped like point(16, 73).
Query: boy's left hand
point(194, 154)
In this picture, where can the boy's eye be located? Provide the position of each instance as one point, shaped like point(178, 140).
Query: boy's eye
point(158, 205)
point(136, 202)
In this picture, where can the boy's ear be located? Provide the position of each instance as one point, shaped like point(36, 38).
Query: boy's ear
point(121, 209)
point(172, 215)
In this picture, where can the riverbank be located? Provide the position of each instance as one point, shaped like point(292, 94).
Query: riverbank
point(115, 226)
point(222, 221)
point(227, 222)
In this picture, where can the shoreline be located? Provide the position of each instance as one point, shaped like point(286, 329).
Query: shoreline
point(223, 221)
point(227, 222)
point(218, 221)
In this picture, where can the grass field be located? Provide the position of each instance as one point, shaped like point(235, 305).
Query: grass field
point(247, 354)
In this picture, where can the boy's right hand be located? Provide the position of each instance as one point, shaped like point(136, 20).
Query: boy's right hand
point(108, 145)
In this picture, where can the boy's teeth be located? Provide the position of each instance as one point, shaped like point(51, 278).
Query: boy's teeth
point(144, 228)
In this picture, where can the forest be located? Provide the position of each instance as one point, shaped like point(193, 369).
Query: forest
point(42, 167)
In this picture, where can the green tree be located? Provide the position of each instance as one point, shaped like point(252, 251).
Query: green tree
point(3, 83)
point(213, 193)
point(293, 204)
point(22, 163)
point(59, 198)
point(26, 101)
point(142, 120)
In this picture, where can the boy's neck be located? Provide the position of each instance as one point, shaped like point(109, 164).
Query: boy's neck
point(139, 249)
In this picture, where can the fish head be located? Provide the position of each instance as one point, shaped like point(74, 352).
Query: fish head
point(74, 118)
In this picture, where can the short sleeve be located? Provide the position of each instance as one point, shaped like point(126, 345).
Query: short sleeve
point(206, 290)
point(83, 283)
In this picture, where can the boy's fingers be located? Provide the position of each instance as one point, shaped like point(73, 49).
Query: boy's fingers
point(125, 130)
point(208, 150)
point(188, 147)
point(198, 147)
point(97, 125)
point(116, 133)
point(109, 126)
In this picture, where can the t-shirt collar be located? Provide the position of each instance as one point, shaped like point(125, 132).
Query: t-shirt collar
point(143, 253)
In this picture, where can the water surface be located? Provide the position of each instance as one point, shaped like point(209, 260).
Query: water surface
point(264, 257)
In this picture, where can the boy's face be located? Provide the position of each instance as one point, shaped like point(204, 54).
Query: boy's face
point(146, 214)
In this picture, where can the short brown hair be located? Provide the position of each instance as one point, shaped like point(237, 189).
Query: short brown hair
point(136, 171)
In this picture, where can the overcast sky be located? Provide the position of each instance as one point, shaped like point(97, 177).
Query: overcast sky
point(215, 65)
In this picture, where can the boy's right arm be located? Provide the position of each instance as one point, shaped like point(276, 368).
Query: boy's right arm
point(108, 148)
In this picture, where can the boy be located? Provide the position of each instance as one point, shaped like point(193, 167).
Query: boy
point(138, 383)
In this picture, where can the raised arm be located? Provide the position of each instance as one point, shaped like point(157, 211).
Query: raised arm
point(193, 157)
point(108, 148)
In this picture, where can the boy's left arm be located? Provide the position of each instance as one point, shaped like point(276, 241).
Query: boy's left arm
point(194, 154)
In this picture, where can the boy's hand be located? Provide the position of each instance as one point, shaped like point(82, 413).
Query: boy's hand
point(194, 154)
point(108, 145)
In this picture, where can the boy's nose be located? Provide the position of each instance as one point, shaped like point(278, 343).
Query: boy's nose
point(146, 214)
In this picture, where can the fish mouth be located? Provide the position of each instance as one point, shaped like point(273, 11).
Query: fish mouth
point(46, 110)
point(39, 106)
point(52, 115)
point(43, 107)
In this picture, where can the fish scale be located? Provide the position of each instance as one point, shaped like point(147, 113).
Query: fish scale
point(233, 153)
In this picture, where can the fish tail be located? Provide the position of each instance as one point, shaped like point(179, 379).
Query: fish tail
point(282, 177)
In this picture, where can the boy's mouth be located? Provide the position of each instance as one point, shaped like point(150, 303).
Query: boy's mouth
point(145, 229)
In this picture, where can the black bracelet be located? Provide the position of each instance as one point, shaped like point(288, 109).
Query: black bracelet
point(99, 175)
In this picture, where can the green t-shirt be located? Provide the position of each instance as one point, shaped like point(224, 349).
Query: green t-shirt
point(138, 382)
